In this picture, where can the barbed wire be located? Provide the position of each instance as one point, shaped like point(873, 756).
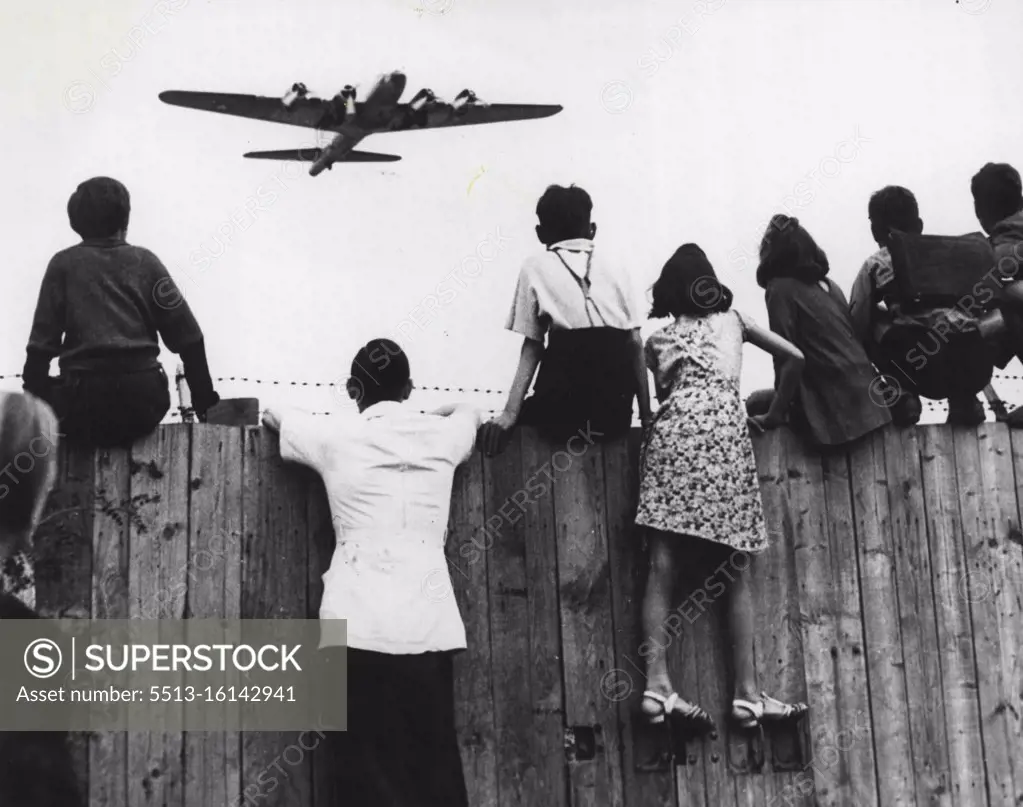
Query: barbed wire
point(275, 383)
point(280, 382)
point(324, 384)
point(932, 405)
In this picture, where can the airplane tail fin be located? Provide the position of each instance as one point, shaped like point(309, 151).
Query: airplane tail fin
point(312, 155)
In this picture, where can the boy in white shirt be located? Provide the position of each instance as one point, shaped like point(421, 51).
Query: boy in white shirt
point(592, 366)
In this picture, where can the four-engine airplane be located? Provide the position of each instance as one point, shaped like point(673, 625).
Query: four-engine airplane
point(349, 121)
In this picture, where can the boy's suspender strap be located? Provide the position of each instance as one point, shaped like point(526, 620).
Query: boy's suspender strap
point(584, 285)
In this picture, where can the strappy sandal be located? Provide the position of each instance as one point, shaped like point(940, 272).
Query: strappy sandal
point(692, 718)
point(756, 714)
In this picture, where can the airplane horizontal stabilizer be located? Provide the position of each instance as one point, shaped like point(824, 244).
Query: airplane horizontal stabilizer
point(369, 157)
point(312, 155)
point(304, 155)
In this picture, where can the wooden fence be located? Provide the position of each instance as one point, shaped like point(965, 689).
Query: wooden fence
point(891, 600)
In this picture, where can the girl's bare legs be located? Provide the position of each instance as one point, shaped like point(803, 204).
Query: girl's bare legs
point(656, 607)
point(740, 618)
point(740, 623)
point(656, 604)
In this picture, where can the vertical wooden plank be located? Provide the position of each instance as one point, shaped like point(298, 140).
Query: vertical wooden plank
point(958, 665)
point(778, 643)
point(917, 624)
point(517, 777)
point(710, 647)
point(833, 649)
point(474, 708)
point(108, 750)
point(322, 541)
point(62, 546)
point(625, 684)
point(1009, 563)
point(274, 586)
point(63, 541)
point(586, 626)
point(889, 703)
point(687, 667)
point(212, 759)
point(988, 506)
point(747, 752)
point(547, 696)
point(158, 561)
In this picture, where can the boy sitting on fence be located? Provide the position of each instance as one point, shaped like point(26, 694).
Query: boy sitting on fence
point(592, 367)
point(998, 203)
point(880, 324)
point(101, 307)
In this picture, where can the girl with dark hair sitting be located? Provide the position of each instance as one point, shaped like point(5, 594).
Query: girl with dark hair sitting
point(699, 493)
point(840, 396)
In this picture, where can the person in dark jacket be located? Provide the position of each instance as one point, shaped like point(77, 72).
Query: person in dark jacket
point(840, 396)
point(102, 307)
point(998, 202)
point(895, 208)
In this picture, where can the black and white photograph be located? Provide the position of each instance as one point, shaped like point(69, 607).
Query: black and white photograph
point(476, 403)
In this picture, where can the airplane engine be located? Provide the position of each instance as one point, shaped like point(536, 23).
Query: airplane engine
point(298, 90)
point(464, 99)
point(421, 99)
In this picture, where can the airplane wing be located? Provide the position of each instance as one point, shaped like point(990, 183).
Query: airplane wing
point(312, 155)
point(305, 112)
point(478, 113)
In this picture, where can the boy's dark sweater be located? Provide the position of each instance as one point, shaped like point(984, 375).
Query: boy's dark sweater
point(102, 307)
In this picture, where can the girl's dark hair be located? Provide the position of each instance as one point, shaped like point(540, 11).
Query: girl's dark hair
point(788, 250)
point(99, 208)
point(688, 286)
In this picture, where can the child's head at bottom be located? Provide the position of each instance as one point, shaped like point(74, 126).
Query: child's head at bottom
point(564, 214)
point(688, 286)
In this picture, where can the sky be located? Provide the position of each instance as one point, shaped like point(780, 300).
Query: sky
point(686, 121)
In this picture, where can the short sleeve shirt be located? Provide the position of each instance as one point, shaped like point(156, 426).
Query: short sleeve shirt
point(388, 474)
point(572, 286)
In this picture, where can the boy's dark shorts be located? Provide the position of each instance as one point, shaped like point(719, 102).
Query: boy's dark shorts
point(109, 409)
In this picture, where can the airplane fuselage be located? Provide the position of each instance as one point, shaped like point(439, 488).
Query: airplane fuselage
point(342, 122)
point(377, 114)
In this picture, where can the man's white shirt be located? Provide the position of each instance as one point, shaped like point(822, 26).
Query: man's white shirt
point(388, 474)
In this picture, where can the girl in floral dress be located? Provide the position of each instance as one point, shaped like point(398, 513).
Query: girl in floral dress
point(698, 474)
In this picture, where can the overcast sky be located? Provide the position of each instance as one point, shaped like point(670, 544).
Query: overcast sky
point(686, 121)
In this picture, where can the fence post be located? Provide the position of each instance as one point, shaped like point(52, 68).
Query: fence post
point(184, 395)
